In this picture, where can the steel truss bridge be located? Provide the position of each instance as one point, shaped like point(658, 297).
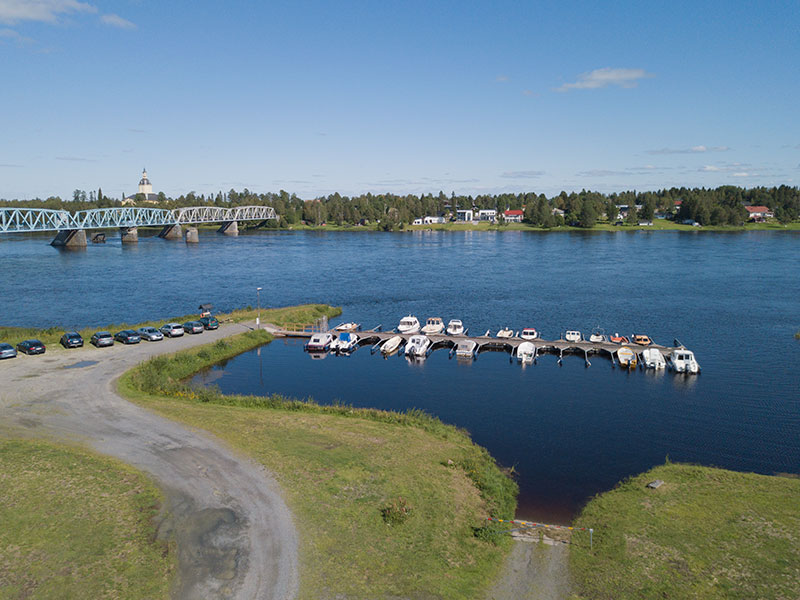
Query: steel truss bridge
point(26, 220)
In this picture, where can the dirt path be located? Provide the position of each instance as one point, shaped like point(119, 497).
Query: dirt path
point(533, 571)
point(235, 536)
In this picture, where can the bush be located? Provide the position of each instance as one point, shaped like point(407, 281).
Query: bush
point(396, 512)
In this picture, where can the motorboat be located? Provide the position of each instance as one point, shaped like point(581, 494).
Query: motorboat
point(346, 342)
point(417, 345)
point(683, 361)
point(526, 352)
point(627, 357)
point(529, 333)
point(391, 345)
point(618, 339)
point(641, 339)
point(466, 349)
point(433, 326)
point(573, 336)
point(598, 336)
point(319, 342)
point(505, 333)
point(347, 327)
point(653, 359)
point(408, 325)
point(455, 327)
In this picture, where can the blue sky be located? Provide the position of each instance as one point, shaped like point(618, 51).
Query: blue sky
point(406, 97)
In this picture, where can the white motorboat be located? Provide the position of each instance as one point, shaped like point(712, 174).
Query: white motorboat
point(417, 345)
point(346, 342)
point(598, 336)
point(573, 336)
point(466, 349)
point(627, 357)
point(408, 325)
point(347, 327)
point(319, 342)
point(505, 333)
point(433, 326)
point(526, 352)
point(455, 327)
point(653, 359)
point(529, 333)
point(391, 345)
point(683, 361)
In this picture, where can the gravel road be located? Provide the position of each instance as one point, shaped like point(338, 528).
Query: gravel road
point(235, 536)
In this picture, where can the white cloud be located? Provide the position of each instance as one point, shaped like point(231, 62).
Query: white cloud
point(692, 150)
point(522, 174)
point(117, 21)
point(741, 174)
point(14, 11)
point(600, 78)
point(711, 169)
point(501, 79)
point(599, 173)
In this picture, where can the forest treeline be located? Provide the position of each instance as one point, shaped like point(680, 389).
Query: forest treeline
point(718, 206)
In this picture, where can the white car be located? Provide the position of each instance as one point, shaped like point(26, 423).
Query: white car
point(172, 330)
point(151, 334)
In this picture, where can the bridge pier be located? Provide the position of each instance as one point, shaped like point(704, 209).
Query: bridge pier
point(171, 232)
point(229, 228)
point(192, 237)
point(130, 235)
point(70, 238)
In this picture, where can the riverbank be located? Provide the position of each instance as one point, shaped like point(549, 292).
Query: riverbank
point(703, 533)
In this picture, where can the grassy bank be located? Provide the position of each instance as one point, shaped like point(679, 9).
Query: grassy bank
point(386, 504)
point(77, 525)
point(705, 533)
point(658, 225)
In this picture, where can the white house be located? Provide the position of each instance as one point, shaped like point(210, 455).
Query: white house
point(513, 216)
point(487, 215)
point(465, 214)
point(759, 213)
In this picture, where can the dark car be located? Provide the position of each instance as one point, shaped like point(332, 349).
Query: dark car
point(102, 338)
point(127, 336)
point(193, 327)
point(72, 339)
point(7, 351)
point(209, 323)
point(31, 347)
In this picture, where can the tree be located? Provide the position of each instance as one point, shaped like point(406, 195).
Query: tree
point(588, 216)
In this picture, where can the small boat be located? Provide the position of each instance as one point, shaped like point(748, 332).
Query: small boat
point(433, 326)
point(573, 336)
point(417, 345)
point(618, 339)
point(598, 336)
point(505, 333)
point(653, 359)
point(526, 352)
point(319, 342)
point(391, 345)
point(347, 327)
point(529, 333)
point(408, 325)
point(641, 339)
point(346, 342)
point(455, 327)
point(627, 357)
point(466, 349)
point(683, 361)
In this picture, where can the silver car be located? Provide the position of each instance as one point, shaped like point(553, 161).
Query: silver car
point(7, 351)
point(172, 330)
point(151, 334)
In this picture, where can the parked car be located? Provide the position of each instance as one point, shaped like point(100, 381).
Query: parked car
point(172, 330)
point(209, 322)
point(7, 351)
point(72, 339)
point(100, 339)
point(193, 327)
point(151, 334)
point(127, 336)
point(31, 347)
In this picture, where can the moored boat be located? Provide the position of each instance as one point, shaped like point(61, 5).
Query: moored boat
point(347, 327)
point(417, 345)
point(683, 361)
point(626, 357)
point(641, 339)
point(598, 336)
point(466, 349)
point(346, 342)
point(653, 359)
point(455, 327)
point(573, 336)
point(505, 333)
point(319, 342)
point(618, 339)
point(433, 326)
point(529, 333)
point(408, 325)
point(391, 345)
point(526, 352)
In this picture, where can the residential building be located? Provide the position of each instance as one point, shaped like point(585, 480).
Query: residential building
point(759, 213)
point(487, 215)
point(513, 216)
point(464, 214)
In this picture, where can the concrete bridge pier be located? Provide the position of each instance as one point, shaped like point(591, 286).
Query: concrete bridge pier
point(171, 232)
point(192, 237)
point(70, 238)
point(229, 228)
point(130, 235)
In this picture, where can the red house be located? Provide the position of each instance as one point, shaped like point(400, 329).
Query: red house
point(513, 216)
point(759, 213)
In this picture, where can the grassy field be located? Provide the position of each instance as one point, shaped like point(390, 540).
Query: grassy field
point(386, 504)
point(705, 533)
point(74, 524)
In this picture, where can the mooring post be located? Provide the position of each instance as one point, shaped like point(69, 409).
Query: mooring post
point(591, 541)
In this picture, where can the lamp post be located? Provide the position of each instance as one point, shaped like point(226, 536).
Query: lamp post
point(258, 301)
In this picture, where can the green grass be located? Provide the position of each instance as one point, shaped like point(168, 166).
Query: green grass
point(658, 225)
point(74, 524)
point(705, 533)
point(343, 471)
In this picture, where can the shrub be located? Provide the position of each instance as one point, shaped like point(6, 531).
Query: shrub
point(396, 512)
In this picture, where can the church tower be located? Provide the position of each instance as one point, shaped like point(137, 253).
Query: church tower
point(144, 184)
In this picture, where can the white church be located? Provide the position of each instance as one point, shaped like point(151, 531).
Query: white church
point(145, 189)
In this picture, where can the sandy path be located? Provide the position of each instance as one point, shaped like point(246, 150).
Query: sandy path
point(533, 571)
point(235, 536)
